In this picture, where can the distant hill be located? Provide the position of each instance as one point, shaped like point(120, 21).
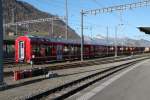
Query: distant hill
point(15, 11)
point(101, 40)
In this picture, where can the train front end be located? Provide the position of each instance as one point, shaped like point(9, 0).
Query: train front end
point(22, 49)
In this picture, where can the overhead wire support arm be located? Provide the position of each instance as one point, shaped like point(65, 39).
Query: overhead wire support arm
point(118, 8)
point(34, 21)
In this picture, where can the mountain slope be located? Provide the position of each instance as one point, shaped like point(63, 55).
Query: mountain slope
point(15, 11)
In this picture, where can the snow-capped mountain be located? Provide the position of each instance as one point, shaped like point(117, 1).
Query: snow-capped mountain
point(101, 40)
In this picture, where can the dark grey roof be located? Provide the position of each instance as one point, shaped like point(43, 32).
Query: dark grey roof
point(145, 29)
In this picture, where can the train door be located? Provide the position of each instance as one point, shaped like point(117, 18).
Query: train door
point(21, 50)
point(59, 52)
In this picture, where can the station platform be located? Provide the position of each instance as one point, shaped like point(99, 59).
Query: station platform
point(130, 84)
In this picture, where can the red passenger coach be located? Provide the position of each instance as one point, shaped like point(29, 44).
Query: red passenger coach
point(43, 49)
point(23, 49)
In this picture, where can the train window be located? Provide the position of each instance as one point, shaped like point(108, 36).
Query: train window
point(72, 50)
point(92, 48)
point(66, 49)
point(79, 50)
point(21, 50)
point(42, 50)
point(53, 52)
point(112, 48)
point(36, 50)
point(48, 50)
point(4, 48)
point(76, 50)
point(86, 49)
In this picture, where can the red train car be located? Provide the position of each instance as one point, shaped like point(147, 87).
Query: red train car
point(37, 49)
point(33, 48)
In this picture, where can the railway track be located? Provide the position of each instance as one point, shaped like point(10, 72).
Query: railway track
point(9, 61)
point(68, 89)
point(79, 63)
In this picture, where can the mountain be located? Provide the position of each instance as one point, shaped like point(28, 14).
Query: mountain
point(120, 41)
point(16, 11)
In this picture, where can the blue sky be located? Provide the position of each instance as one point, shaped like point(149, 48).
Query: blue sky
point(96, 24)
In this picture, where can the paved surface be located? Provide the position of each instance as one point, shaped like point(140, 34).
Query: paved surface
point(66, 75)
point(133, 85)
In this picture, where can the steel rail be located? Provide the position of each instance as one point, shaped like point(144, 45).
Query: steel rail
point(108, 72)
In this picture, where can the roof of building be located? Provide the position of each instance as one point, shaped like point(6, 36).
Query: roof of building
point(145, 29)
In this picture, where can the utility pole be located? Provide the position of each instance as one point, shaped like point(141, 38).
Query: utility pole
point(116, 43)
point(28, 27)
point(1, 44)
point(52, 28)
point(66, 8)
point(82, 36)
point(13, 15)
point(49, 30)
point(107, 40)
point(4, 29)
point(16, 29)
point(91, 32)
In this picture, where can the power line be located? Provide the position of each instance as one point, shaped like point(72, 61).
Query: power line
point(117, 8)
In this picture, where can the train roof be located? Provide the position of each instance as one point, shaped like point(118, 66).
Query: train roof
point(48, 39)
point(91, 42)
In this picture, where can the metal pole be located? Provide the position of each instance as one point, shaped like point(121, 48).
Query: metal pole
point(107, 40)
point(66, 3)
point(13, 16)
point(82, 37)
point(49, 30)
point(116, 49)
point(4, 29)
point(52, 28)
point(122, 46)
point(28, 27)
point(1, 43)
point(16, 30)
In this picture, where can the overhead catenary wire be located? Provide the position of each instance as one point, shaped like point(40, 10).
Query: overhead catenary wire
point(111, 9)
